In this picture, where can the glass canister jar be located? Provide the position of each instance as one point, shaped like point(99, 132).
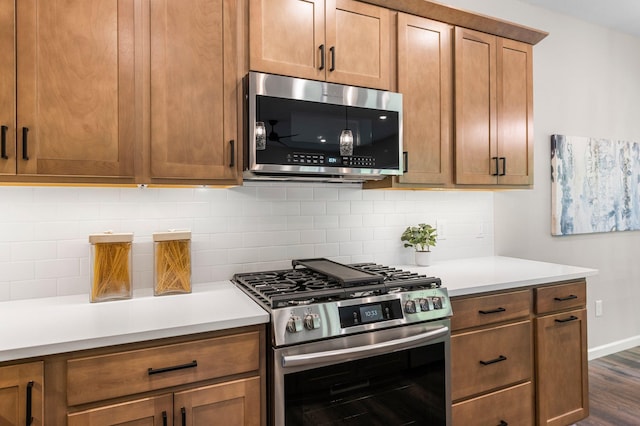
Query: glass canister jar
point(111, 264)
point(172, 262)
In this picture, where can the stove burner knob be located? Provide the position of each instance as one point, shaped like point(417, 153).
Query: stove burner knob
point(410, 307)
point(424, 305)
point(437, 303)
point(312, 321)
point(294, 324)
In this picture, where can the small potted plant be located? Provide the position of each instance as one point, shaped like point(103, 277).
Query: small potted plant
point(421, 238)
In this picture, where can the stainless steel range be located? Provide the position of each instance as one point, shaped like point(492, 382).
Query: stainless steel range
point(354, 344)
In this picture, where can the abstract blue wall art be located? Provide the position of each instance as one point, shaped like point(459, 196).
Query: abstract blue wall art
point(595, 185)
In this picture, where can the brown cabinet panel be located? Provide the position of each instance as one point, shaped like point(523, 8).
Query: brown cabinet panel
point(143, 412)
point(127, 373)
point(425, 81)
point(512, 406)
point(16, 381)
point(560, 297)
point(491, 358)
point(75, 94)
point(234, 403)
point(484, 310)
point(8, 86)
point(562, 369)
point(194, 102)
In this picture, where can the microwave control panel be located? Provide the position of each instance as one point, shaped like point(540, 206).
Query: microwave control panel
point(330, 160)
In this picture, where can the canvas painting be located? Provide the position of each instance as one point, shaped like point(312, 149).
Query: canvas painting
point(595, 185)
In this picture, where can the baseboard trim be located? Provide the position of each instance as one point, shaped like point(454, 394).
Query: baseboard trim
point(613, 347)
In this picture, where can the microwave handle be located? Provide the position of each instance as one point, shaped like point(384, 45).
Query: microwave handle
point(347, 354)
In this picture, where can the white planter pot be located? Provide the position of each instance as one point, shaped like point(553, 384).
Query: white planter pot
point(423, 258)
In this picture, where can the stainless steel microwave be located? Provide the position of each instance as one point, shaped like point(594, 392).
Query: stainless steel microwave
point(310, 130)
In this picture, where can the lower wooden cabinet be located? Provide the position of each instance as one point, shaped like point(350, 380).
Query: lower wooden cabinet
point(563, 390)
point(235, 403)
point(21, 390)
point(512, 406)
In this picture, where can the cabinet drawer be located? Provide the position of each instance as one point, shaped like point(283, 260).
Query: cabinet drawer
point(482, 310)
point(559, 297)
point(488, 359)
point(125, 373)
point(512, 406)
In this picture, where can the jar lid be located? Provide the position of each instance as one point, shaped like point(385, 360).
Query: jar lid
point(111, 237)
point(172, 235)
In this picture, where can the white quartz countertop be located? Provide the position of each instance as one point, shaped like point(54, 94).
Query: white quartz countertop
point(36, 327)
point(483, 274)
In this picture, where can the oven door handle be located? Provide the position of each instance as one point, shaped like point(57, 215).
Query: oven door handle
point(347, 354)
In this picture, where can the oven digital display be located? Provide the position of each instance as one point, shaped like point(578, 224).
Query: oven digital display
point(371, 313)
point(354, 315)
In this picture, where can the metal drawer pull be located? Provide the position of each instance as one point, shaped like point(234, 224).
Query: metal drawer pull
point(367, 350)
point(493, 361)
point(29, 418)
point(3, 154)
point(571, 318)
point(191, 364)
point(493, 311)
point(564, 299)
point(503, 423)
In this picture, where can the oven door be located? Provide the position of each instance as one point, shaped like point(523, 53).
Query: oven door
point(397, 376)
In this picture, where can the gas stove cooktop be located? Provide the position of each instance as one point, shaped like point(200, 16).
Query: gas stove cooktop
point(319, 299)
point(321, 280)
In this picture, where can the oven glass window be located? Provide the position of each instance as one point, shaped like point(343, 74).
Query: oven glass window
point(402, 388)
point(304, 127)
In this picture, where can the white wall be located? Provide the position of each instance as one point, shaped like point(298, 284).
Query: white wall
point(586, 83)
point(44, 248)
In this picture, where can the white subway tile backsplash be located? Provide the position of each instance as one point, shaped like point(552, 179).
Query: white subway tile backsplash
point(44, 248)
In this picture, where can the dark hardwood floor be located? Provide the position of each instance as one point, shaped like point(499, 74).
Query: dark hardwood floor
point(614, 390)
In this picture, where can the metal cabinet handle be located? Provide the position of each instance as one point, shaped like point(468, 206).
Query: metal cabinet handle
point(183, 412)
point(503, 423)
point(191, 364)
point(504, 166)
point(232, 161)
point(321, 58)
point(493, 361)
point(332, 49)
point(29, 416)
point(3, 147)
point(405, 159)
point(571, 318)
point(25, 145)
point(164, 418)
point(564, 299)
point(493, 311)
point(495, 159)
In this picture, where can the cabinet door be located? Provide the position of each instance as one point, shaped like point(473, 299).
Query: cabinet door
point(153, 411)
point(358, 39)
point(515, 112)
point(424, 79)
point(234, 403)
point(562, 373)
point(8, 87)
point(76, 87)
point(287, 37)
point(475, 107)
point(21, 390)
point(194, 88)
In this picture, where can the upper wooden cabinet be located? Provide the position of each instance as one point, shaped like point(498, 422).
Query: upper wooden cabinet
point(7, 87)
point(341, 41)
point(75, 88)
point(194, 89)
point(425, 81)
point(493, 110)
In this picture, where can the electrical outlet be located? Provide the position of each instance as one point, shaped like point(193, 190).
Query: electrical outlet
point(441, 227)
point(598, 308)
